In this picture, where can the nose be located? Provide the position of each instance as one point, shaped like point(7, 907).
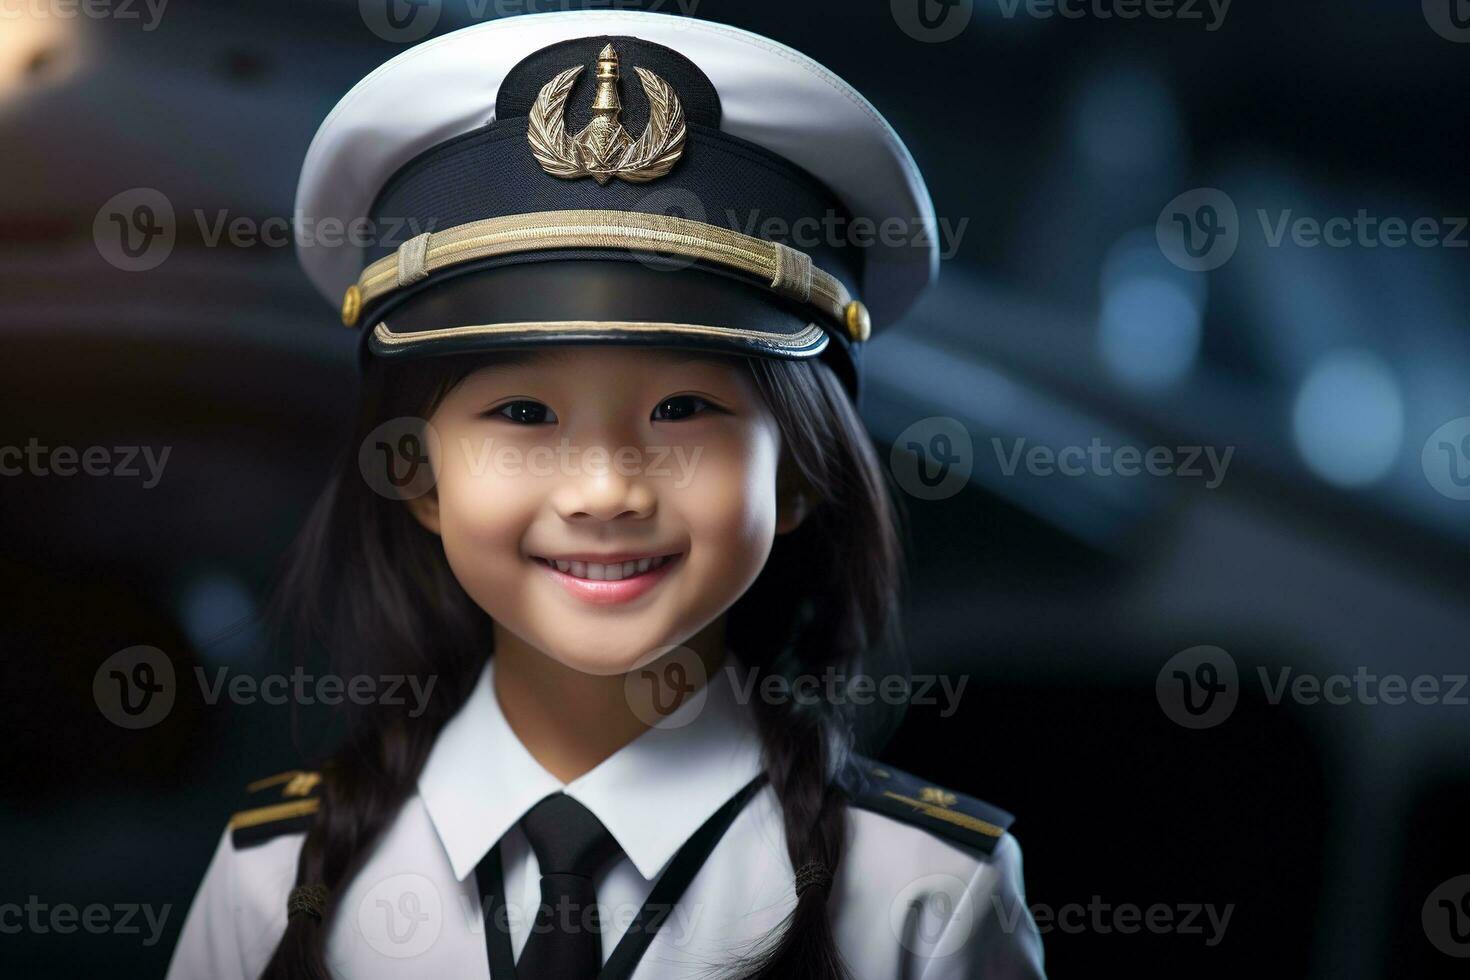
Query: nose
point(605, 487)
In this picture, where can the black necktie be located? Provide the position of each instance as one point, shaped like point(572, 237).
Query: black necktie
point(571, 846)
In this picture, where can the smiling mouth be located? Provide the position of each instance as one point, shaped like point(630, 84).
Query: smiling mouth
point(607, 571)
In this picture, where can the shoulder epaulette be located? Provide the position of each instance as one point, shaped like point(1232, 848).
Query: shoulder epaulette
point(894, 793)
point(279, 804)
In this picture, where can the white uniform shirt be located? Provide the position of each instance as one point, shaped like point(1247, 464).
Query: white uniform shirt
point(414, 908)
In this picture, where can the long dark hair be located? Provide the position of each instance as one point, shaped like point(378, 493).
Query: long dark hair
point(369, 586)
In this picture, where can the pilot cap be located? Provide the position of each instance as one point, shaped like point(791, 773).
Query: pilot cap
point(613, 177)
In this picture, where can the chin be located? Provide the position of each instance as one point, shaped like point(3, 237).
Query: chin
point(601, 663)
point(607, 650)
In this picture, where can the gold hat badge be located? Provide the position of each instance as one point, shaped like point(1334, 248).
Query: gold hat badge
point(603, 149)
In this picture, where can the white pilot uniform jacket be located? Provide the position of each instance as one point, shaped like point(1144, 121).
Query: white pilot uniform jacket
point(905, 902)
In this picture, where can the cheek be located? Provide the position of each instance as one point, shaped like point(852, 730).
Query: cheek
point(483, 510)
point(729, 502)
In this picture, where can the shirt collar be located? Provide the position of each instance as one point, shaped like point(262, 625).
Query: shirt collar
point(652, 794)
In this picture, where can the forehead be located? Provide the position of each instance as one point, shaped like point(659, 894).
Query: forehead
point(588, 361)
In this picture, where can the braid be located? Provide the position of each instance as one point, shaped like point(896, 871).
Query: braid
point(826, 598)
point(814, 817)
point(362, 790)
point(367, 584)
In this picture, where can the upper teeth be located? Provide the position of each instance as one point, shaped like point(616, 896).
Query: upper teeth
point(610, 572)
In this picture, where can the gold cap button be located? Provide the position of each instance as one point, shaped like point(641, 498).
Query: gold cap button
point(859, 324)
point(352, 305)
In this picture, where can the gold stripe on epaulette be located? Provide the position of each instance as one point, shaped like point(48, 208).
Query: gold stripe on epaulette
point(298, 782)
point(270, 781)
point(951, 816)
point(272, 813)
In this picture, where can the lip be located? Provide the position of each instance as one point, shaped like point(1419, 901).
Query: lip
point(610, 557)
point(604, 592)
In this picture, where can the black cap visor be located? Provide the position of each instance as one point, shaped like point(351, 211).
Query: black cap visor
point(542, 298)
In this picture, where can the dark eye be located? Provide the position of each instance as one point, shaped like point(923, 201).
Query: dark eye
point(679, 407)
point(526, 413)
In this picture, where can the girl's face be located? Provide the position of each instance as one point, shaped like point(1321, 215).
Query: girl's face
point(601, 503)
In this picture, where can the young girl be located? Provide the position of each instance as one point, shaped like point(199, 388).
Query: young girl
point(612, 510)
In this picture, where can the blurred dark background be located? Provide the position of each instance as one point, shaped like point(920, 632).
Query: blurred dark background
point(1337, 376)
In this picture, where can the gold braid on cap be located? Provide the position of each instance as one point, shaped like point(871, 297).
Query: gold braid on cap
point(786, 271)
point(306, 900)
